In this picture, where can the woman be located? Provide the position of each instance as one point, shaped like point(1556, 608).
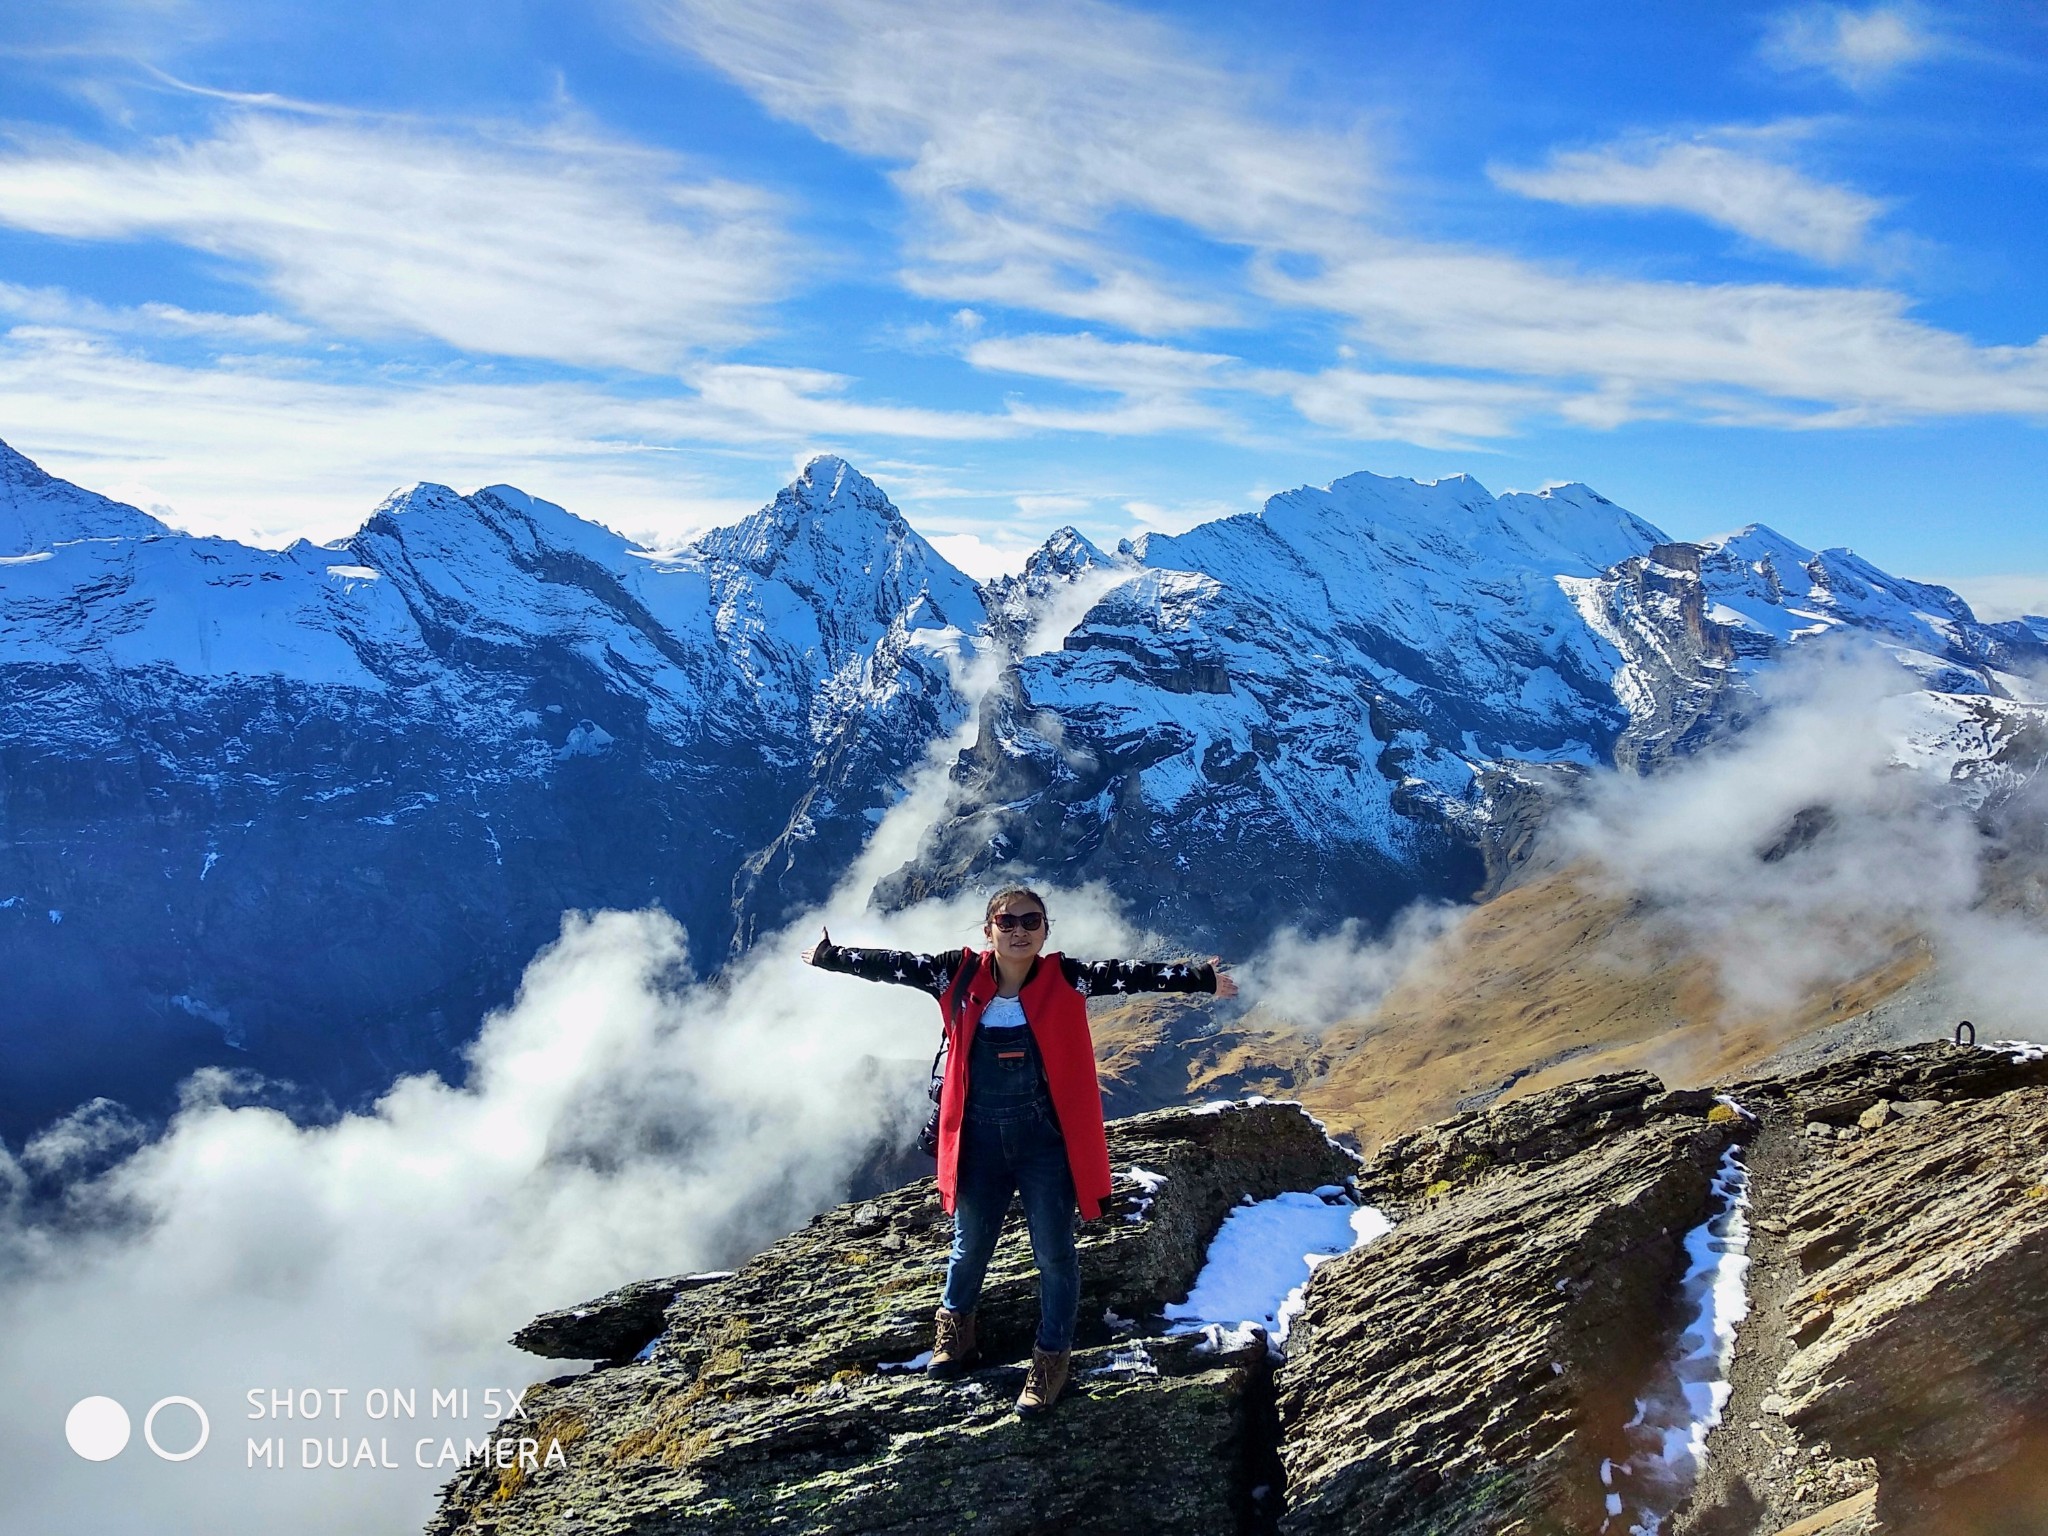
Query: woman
point(1019, 1109)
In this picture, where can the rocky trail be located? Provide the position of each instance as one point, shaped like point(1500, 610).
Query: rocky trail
point(1480, 1368)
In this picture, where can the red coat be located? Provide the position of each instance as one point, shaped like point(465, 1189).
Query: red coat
point(1058, 1017)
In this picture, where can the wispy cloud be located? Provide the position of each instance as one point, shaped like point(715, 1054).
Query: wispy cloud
point(561, 245)
point(275, 447)
point(1724, 350)
point(1028, 134)
point(1041, 142)
point(1861, 48)
point(56, 306)
point(2008, 596)
point(1768, 201)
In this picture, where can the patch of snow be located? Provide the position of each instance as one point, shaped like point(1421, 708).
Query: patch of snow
point(1217, 1106)
point(1116, 1323)
point(34, 559)
point(1133, 1361)
point(1668, 1435)
point(2021, 1050)
point(1149, 1182)
point(915, 1363)
point(586, 739)
point(1259, 1265)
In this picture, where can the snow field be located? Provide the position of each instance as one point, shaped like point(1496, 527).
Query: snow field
point(1258, 1267)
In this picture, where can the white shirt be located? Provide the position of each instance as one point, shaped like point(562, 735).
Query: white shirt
point(1003, 1013)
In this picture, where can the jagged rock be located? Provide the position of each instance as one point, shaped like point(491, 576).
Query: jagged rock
point(1921, 1319)
point(1474, 1368)
point(1838, 1092)
point(768, 1396)
point(613, 1327)
point(1540, 1129)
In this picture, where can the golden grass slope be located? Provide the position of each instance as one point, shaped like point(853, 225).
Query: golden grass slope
point(1552, 980)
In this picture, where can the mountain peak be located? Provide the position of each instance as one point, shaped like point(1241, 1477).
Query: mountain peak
point(38, 510)
point(429, 517)
point(1066, 552)
point(829, 484)
point(833, 530)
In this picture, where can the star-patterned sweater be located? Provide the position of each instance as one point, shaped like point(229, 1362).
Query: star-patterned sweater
point(1090, 978)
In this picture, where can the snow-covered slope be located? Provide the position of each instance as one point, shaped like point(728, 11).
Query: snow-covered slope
point(37, 510)
point(321, 804)
point(1333, 705)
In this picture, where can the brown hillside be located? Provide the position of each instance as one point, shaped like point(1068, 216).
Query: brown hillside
point(1547, 982)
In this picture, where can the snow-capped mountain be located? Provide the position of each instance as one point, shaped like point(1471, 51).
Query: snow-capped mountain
point(312, 810)
point(322, 804)
point(1335, 704)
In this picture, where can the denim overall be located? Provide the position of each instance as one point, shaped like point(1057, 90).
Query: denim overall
point(1010, 1142)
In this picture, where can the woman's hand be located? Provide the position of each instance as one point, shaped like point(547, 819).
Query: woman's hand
point(1226, 986)
point(813, 950)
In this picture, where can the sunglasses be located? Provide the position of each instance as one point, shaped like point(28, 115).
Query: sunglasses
point(1030, 922)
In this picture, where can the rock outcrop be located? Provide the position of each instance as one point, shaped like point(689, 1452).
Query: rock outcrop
point(1480, 1370)
point(770, 1399)
point(1475, 1367)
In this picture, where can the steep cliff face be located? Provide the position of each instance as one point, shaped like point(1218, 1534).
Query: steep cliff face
point(1818, 1303)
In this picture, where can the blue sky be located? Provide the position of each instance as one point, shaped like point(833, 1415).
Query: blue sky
point(1121, 266)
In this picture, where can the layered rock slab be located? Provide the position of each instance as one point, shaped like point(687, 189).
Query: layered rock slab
point(1471, 1371)
point(1919, 1327)
point(766, 1402)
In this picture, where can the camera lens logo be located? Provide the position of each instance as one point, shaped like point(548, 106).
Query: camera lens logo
point(98, 1428)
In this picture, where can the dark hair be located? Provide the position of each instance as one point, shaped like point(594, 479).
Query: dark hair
point(1007, 893)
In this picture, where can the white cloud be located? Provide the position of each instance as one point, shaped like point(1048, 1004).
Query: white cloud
point(1026, 132)
point(1708, 845)
point(558, 245)
point(275, 450)
point(55, 306)
point(813, 402)
point(612, 1127)
point(1128, 367)
point(984, 556)
point(1769, 202)
point(1722, 349)
point(2009, 596)
point(1860, 48)
point(1437, 412)
point(1035, 137)
point(1179, 517)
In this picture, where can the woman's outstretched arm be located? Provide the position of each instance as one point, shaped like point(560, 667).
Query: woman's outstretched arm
point(1113, 978)
point(928, 973)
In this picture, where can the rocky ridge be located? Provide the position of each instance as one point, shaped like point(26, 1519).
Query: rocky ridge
point(1472, 1371)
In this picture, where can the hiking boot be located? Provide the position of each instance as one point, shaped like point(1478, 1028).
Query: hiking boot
point(952, 1344)
point(1044, 1382)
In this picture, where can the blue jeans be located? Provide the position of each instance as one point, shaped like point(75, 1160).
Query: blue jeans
point(1017, 1148)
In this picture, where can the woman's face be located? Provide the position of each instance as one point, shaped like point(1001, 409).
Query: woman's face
point(1015, 943)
